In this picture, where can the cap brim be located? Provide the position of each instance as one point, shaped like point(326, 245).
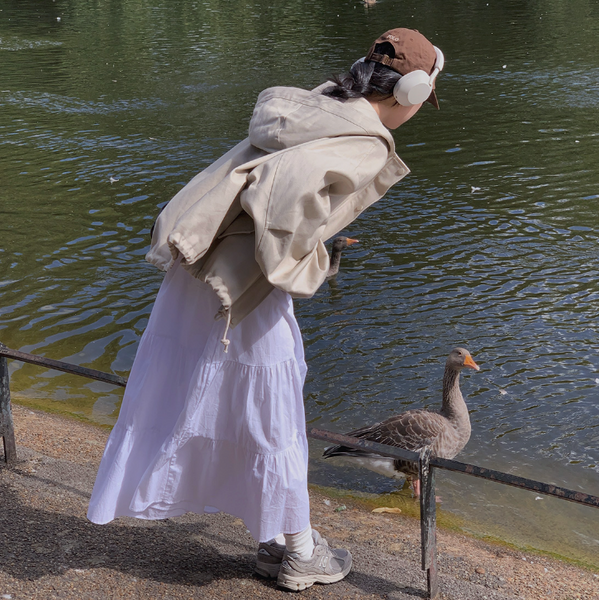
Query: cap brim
point(432, 99)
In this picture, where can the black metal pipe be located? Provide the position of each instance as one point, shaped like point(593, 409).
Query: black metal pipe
point(515, 481)
point(59, 365)
point(7, 432)
point(428, 523)
point(352, 442)
point(336, 438)
point(458, 467)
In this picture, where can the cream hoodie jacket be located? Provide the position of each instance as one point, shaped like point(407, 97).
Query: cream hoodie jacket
point(258, 217)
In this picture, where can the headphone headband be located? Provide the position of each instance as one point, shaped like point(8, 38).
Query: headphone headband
point(439, 64)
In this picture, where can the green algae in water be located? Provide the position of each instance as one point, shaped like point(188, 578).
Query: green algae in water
point(410, 508)
point(87, 400)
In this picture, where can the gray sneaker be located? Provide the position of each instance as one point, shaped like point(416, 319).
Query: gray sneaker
point(326, 565)
point(270, 556)
point(268, 561)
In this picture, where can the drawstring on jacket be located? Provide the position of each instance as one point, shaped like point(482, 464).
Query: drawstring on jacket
point(224, 341)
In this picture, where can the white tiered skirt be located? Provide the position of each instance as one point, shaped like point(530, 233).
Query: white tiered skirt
point(202, 431)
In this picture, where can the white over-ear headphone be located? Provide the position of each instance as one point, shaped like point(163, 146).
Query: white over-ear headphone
point(416, 86)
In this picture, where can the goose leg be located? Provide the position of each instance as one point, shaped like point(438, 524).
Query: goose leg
point(415, 485)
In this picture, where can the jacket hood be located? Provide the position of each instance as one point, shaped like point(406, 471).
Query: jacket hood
point(285, 117)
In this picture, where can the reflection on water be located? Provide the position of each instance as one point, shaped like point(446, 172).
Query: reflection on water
point(491, 243)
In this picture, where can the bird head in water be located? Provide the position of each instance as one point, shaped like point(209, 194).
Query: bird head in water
point(339, 243)
point(342, 242)
point(460, 358)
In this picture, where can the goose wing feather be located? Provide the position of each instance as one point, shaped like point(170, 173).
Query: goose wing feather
point(412, 430)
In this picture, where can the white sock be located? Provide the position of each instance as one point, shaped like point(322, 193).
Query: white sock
point(300, 543)
point(280, 539)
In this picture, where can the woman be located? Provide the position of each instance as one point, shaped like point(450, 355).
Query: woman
point(213, 415)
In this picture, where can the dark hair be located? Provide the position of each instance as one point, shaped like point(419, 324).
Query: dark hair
point(366, 79)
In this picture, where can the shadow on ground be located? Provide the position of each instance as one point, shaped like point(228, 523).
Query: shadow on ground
point(188, 551)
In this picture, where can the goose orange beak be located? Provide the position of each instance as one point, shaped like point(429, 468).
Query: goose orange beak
point(351, 241)
point(469, 362)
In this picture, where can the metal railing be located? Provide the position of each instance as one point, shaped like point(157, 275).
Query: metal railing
point(427, 464)
point(7, 432)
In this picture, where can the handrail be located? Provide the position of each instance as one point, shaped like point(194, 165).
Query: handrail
point(458, 467)
point(60, 365)
point(426, 463)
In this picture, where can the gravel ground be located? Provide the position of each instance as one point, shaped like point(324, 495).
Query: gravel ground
point(49, 550)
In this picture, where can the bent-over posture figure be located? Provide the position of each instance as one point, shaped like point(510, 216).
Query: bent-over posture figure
point(213, 414)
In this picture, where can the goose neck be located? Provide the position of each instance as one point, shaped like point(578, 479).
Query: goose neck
point(453, 402)
point(335, 260)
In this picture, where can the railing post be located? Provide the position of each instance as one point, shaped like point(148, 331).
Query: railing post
point(428, 522)
point(7, 432)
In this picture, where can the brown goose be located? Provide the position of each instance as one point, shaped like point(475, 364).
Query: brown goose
point(339, 244)
point(446, 431)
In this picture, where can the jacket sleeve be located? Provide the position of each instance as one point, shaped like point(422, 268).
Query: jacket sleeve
point(291, 199)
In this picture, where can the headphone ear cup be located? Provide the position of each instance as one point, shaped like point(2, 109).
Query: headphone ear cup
point(413, 88)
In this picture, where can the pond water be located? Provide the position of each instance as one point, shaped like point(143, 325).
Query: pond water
point(109, 108)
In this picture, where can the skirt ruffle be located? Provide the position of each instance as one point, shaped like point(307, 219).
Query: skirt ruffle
point(200, 430)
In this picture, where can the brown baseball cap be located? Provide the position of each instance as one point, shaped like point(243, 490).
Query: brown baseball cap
point(411, 52)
